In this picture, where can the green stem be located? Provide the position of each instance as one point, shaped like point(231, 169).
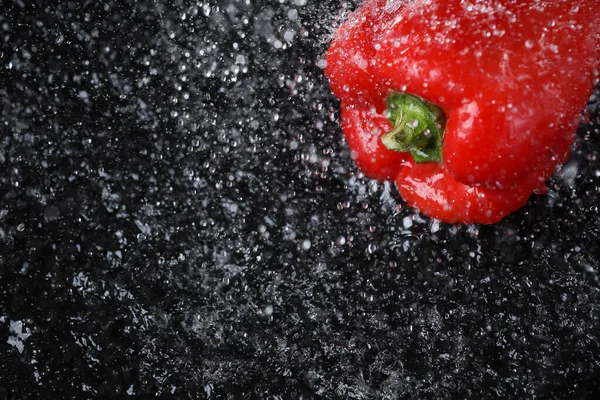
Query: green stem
point(418, 127)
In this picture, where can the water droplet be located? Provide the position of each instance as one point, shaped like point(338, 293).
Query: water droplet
point(306, 244)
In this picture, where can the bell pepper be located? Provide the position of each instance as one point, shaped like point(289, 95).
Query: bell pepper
point(469, 106)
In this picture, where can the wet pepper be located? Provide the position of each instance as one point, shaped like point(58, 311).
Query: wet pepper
point(468, 105)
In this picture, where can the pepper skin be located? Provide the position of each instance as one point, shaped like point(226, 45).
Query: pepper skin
point(511, 78)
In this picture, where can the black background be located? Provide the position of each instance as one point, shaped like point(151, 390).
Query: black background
point(180, 216)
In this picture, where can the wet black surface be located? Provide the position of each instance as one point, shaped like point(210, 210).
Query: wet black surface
point(179, 216)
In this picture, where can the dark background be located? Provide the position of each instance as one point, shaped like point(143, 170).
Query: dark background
point(179, 216)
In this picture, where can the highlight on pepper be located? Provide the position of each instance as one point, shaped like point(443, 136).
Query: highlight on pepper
point(468, 106)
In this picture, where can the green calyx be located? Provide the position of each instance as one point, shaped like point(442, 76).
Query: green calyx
point(418, 127)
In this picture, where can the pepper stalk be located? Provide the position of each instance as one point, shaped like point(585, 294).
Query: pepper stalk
point(418, 127)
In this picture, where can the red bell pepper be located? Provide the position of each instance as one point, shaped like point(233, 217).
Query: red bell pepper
point(469, 105)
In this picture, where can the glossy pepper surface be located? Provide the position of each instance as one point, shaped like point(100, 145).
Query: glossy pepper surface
point(468, 105)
